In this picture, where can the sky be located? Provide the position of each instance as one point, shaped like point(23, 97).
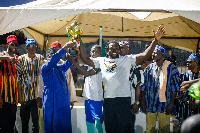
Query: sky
point(7, 3)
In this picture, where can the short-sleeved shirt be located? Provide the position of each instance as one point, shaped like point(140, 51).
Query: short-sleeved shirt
point(151, 87)
point(8, 80)
point(115, 74)
point(93, 87)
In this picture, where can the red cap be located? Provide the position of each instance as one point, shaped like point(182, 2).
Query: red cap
point(11, 38)
point(55, 44)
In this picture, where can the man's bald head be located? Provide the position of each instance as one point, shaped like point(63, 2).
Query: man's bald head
point(191, 124)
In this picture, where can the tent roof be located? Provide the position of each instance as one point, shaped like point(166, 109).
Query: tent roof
point(179, 31)
point(47, 20)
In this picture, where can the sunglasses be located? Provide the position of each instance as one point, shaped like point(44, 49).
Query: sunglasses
point(190, 61)
point(14, 44)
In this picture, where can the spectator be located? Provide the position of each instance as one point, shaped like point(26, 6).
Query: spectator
point(186, 104)
point(171, 57)
point(8, 86)
point(136, 74)
point(161, 82)
point(28, 69)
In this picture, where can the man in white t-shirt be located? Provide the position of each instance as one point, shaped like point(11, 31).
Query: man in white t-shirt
point(115, 73)
point(93, 93)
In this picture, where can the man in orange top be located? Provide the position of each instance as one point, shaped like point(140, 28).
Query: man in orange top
point(8, 86)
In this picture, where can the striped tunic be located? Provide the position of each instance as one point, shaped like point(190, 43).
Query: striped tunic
point(28, 70)
point(8, 81)
point(151, 88)
point(183, 110)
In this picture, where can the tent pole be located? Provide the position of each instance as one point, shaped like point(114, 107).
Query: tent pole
point(197, 50)
point(122, 24)
point(45, 45)
point(100, 36)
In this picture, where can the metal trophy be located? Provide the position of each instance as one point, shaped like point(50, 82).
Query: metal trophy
point(74, 32)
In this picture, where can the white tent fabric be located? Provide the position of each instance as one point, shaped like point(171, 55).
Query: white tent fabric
point(189, 8)
point(47, 19)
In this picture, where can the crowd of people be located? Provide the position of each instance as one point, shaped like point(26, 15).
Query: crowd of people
point(121, 83)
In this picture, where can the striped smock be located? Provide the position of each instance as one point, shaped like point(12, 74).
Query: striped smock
point(151, 87)
point(28, 70)
point(8, 80)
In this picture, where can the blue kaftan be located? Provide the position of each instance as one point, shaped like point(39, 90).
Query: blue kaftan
point(56, 101)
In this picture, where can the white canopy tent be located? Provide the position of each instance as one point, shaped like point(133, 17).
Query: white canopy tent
point(47, 20)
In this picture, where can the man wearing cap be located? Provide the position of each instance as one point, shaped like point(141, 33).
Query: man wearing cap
point(8, 86)
point(136, 79)
point(161, 82)
point(186, 104)
point(56, 102)
point(28, 69)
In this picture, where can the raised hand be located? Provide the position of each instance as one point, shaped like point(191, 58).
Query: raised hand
point(183, 89)
point(70, 45)
point(159, 33)
point(71, 58)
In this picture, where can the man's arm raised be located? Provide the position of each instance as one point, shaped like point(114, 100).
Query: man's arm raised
point(84, 56)
point(148, 52)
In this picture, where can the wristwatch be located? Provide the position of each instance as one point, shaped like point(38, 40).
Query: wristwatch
point(137, 102)
point(188, 101)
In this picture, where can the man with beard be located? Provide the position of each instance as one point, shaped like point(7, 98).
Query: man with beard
point(186, 104)
point(8, 86)
point(28, 69)
point(161, 82)
point(115, 73)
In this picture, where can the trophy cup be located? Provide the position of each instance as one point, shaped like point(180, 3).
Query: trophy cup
point(74, 32)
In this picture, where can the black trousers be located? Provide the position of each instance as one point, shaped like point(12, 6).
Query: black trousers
point(25, 110)
point(132, 123)
point(117, 115)
point(7, 117)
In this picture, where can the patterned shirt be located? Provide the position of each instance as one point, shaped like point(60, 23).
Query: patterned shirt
point(8, 78)
point(136, 77)
point(151, 87)
point(183, 110)
point(28, 70)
